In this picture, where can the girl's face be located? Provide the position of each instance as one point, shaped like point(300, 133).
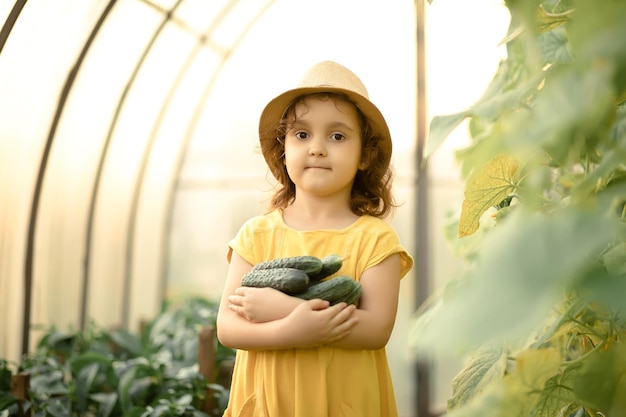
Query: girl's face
point(323, 147)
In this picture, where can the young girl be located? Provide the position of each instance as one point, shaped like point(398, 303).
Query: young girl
point(329, 148)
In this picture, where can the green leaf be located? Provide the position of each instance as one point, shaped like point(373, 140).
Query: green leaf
point(137, 412)
point(611, 161)
point(58, 408)
point(84, 383)
point(602, 32)
point(483, 367)
point(126, 382)
point(557, 393)
point(615, 260)
point(106, 401)
point(573, 106)
point(618, 132)
point(528, 260)
point(127, 341)
point(517, 393)
point(5, 377)
point(547, 21)
point(555, 46)
point(184, 400)
point(602, 381)
point(440, 129)
point(88, 359)
point(160, 410)
point(492, 106)
point(50, 383)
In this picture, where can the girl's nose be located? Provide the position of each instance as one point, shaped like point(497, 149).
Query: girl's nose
point(317, 148)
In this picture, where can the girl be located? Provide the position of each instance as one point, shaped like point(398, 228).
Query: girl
point(329, 147)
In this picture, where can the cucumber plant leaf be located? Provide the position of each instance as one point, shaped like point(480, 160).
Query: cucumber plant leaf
point(514, 269)
point(602, 381)
point(487, 188)
point(557, 393)
point(440, 129)
point(483, 366)
point(516, 393)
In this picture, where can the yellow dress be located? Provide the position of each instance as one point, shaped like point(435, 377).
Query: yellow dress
point(322, 381)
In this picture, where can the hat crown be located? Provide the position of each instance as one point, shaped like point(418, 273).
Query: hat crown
point(333, 75)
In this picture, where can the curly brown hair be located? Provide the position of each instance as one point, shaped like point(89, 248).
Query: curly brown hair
point(371, 190)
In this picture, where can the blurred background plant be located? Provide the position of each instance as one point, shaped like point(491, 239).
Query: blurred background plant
point(114, 372)
point(539, 311)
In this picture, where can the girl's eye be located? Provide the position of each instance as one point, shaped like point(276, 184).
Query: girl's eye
point(301, 135)
point(337, 137)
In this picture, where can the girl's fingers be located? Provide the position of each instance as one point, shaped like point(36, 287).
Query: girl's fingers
point(343, 329)
point(344, 313)
point(318, 304)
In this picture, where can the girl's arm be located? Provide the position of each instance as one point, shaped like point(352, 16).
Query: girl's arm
point(259, 305)
point(376, 313)
point(309, 323)
point(380, 286)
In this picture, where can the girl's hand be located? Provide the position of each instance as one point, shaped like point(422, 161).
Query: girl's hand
point(315, 323)
point(260, 305)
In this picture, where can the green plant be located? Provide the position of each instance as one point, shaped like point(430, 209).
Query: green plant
point(539, 310)
point(114, 373)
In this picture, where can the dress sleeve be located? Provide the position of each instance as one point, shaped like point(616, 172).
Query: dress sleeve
point(243, 243)
point(387, 243)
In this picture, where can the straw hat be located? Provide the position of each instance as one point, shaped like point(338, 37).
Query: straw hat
point(326, 76)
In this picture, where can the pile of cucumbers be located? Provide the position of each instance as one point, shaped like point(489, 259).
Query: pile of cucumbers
point(303, 277)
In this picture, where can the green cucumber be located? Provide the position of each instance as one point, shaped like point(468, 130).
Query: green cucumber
point(331, 290)
point(330, 265)
point(354, 295)
point(306, 263)
point(288, 280)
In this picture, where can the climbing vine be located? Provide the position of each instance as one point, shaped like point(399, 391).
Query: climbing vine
point(539, 311)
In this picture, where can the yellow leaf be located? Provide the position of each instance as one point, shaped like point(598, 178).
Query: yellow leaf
point(486, 189)
point(533, 367)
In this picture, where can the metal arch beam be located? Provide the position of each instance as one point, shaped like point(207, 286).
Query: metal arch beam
point(422, 368)
point(28, 280)
point(144, 162)
point(99, 171)
point(203, 40)
point(10, 22)
point(30, 248)
point(195, 119)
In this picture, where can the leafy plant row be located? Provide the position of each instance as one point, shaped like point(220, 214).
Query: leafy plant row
point(99, 372)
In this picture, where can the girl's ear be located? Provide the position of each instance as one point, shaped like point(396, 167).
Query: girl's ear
point(367, 157)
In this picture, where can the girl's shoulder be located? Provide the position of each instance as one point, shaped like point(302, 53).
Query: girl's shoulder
point(373, 224)
point(265, 221)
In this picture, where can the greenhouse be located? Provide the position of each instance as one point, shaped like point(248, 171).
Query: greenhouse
point(130, 157)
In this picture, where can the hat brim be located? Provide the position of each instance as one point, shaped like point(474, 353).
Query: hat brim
point(274, 110)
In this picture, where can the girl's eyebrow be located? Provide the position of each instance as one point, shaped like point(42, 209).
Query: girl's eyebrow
point(331, 125)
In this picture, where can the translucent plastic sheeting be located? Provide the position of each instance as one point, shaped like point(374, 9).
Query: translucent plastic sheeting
point(97, 105)
point(134, 90)
point(5, 8)
point(33, 66)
